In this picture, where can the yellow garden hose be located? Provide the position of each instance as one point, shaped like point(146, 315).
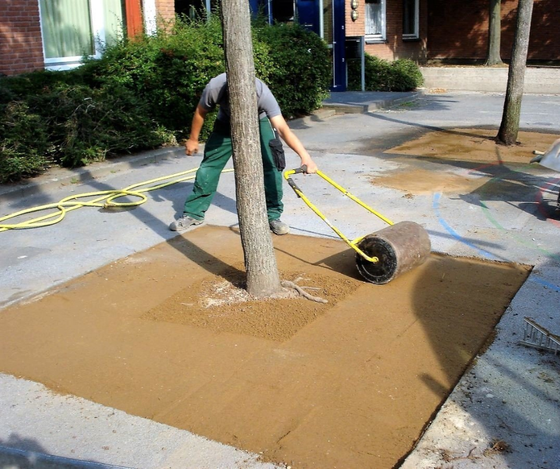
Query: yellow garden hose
point(103, 199)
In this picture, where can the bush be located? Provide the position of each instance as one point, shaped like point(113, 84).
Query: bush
point(86, 125)
point(23, 143)
point(382, 75)
point(45, 121)
point(406, 75)
point(21, 87)
point(170, 70)
point(167, 71)
point(143, 92)
point(298, 70)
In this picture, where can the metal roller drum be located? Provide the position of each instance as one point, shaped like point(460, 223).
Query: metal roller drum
point(399, 248)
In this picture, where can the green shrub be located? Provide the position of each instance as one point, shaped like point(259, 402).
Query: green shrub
point(377, 72)
point(86, 125)
point(70, 125)
point(23, 142)
point(143, 92)
point(29, 84)
point(167, 71)
point(298, 69)
point(382, 75)
point(406, 75)
point(170, 70)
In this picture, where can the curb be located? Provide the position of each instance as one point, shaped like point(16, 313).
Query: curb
point(57, 178)
point(355, 108)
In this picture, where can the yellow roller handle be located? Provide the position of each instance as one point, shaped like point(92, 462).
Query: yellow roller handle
point(353, 244)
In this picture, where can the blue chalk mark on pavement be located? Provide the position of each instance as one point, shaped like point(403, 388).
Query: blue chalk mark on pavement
point(452, 232)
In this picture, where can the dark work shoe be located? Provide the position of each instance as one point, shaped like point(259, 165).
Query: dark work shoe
point(278, 227)
point(184, 223)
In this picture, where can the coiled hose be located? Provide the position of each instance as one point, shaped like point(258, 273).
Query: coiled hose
point(102, 199)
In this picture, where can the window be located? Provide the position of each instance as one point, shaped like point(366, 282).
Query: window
point(375, 20)
point(195, 9)
point(74, 28)
point(410, 19)
point(282, 11)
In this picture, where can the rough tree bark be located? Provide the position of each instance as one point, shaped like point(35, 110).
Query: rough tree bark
point(509, 128)
point(494, 33)
point(263, 279)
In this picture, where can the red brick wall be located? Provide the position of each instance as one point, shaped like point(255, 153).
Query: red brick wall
point(165, 10)
point(459, 30)
point(21, 48)
point(355, 28)
point(394, 47)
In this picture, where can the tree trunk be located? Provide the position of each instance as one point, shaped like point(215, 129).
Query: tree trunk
point(260, 262)
point(509, 127)
point(494, 33)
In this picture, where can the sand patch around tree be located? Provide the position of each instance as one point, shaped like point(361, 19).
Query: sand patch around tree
point(424, 181)
point(477, 145)
point(350, 383)
point(473, 157)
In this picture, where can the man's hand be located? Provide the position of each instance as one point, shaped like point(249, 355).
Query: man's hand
point(311, 166)
point(191, 147)
point(280, 124)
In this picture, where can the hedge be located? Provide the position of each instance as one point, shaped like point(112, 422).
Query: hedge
point(142, 94)
point(383, 75)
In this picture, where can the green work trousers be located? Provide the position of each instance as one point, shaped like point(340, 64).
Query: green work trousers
point(217, 152)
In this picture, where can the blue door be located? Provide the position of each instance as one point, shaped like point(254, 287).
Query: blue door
point(308, 14)
point(339, 47)
point(254, 6)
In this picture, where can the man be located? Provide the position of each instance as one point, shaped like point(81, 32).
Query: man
point(218, 150)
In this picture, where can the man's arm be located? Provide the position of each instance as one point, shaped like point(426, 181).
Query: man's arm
point(191, 146)
point(280, 124)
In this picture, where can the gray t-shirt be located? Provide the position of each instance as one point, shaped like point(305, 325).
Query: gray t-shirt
point(216, 93)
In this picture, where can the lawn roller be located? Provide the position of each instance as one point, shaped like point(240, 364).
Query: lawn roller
point(385, 254)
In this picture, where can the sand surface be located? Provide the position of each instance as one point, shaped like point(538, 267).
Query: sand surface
point(170, 334)
point(475, 145)
point(166, 334)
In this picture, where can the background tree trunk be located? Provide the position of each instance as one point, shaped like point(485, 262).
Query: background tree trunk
point(494, 33)
point(260, 262)
point(509, 128)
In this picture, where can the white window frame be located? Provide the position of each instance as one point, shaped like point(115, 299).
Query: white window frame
point(381, 37)
point(97, 16)
point(416, 33)
point(98, 30)
point(149, 11)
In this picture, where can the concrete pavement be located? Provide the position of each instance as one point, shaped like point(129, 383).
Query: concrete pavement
point(511, 394)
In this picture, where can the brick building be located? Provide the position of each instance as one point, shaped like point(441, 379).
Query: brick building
point(458, 31)
point(389, 29)
point(55, 34)
point(34, 34)
point(387, 34)
point(21, 49)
